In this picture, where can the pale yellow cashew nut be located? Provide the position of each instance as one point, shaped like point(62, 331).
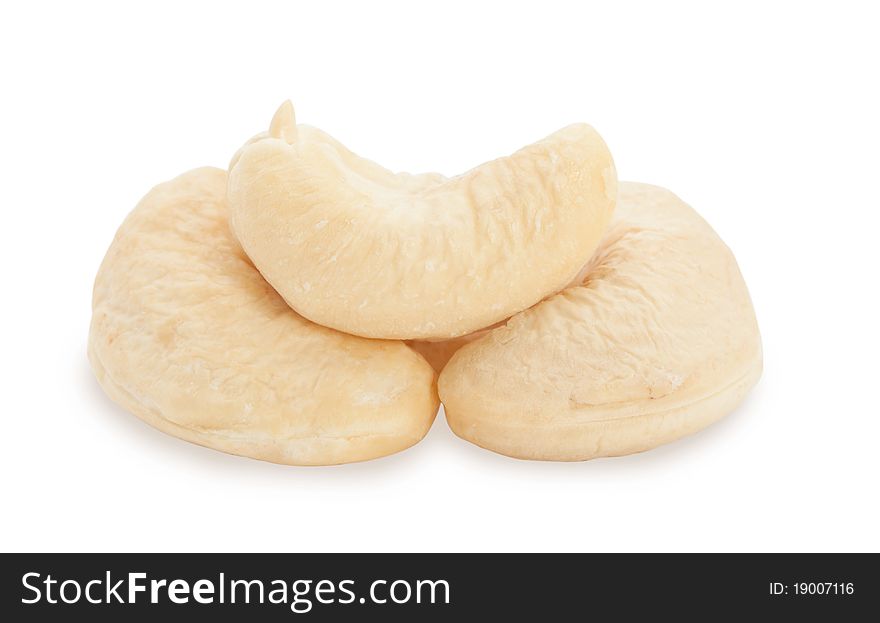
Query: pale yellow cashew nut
point(189, 337)
point(658, 341)
point(353, 246)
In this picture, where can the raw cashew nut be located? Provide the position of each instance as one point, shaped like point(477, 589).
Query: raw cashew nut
point(188, 336)
point(659, 341)
point(353, 246)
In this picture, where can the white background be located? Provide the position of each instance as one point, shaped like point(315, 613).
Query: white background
point(763, 116)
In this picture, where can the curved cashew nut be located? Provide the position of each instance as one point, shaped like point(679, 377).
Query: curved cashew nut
point(353, 246)
point(658, 341)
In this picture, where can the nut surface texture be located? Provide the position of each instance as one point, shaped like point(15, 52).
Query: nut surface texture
point(353, 246)
point(659, 341)
point(188, 336)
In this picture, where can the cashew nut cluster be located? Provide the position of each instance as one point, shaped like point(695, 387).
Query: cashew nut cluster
point(299, 308)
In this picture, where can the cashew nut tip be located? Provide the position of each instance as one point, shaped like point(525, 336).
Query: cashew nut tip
point(283, 123)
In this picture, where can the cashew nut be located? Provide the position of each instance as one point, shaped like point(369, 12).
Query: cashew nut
point(187, 335)
point(658, 341)
point(353, 246)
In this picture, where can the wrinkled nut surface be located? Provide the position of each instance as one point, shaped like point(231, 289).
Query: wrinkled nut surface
point(658, 342)
point(188, 336)
point(439, 352)
point(355, 247)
